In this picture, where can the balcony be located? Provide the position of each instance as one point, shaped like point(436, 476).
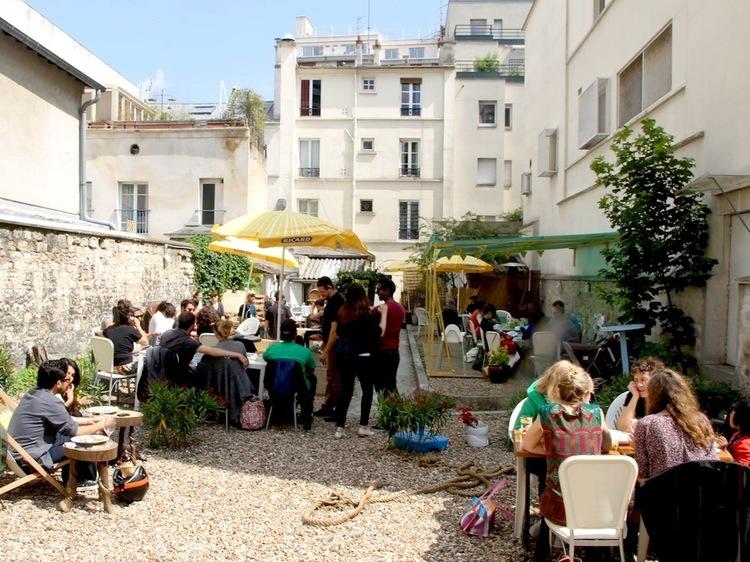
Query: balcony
point(511, 71)
point(408, 172)
point(309, 172)
point(468, 32)
point(411, 111)
point(133, 220)
point(210, 217)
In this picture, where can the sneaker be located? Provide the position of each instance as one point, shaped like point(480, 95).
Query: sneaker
point(87, 486)
point(329, 418)
point(364, 431)
point(339, 433)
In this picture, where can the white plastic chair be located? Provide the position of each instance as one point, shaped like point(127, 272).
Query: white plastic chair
point(546, 348)
point(596, 491)
point(452, 335)
point(514, 416)
point(614, 410)
point(422, 319)
point(104, 357)
point(208, 339)
point(493, 341)
point(249, 327)
point(503, 316)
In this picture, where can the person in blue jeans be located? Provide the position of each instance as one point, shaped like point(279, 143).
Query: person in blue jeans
point(41, 424)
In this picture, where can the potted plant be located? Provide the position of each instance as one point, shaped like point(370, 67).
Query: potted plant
point(497, 365)
point(477, 432)
point(414, 422)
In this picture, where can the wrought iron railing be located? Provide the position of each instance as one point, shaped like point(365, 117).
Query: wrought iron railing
point(411, 110)
point(489, 33)
point(408, 171)
point(510, 69)
point(309, 172)
point(133, 220)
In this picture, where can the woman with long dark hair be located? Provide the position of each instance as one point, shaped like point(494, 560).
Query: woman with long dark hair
point(357, 333)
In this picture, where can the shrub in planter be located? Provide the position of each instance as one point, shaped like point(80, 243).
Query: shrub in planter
point(173, 413)
point(497, 365)
point(424, 414)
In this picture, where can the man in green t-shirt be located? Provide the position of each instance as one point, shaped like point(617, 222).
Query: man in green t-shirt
point(288, 349)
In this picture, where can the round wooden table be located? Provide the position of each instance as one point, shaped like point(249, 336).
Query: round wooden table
point(127, 419)
point(99, 454)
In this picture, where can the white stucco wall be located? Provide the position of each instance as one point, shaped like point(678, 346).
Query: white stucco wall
point(39, 127)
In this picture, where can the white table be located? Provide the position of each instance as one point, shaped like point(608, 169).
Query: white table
point(256, 361)
point(623, 329)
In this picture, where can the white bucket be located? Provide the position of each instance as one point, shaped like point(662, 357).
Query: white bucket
point(477, 436)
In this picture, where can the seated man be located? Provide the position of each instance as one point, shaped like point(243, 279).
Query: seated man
point(488, 320)
point(185, 347)
point(450, 314)
point(562, 325)
point(288, 349)
point(41, 424)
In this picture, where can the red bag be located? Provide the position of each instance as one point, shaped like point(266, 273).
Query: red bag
point(510, 345)
point(253, 415)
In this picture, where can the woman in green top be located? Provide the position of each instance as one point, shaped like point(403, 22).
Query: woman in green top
point(540, 393)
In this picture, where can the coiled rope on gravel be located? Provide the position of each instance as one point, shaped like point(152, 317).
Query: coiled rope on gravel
point(469, 476)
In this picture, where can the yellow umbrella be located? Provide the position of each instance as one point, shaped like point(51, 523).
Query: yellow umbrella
point(251, 249)
point(399, 266)
point(462, 264)
point(288, 229)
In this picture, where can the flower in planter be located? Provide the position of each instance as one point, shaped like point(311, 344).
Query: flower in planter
point(467, 418)
point(424, 412)
point(498, 357)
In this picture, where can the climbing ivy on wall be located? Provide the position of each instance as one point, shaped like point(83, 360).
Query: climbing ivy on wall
point(217, 272)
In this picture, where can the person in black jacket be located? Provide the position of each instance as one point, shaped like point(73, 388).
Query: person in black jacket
point(357, 333)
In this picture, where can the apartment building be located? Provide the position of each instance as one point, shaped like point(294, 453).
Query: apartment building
point(595, 66)
point(378, 134)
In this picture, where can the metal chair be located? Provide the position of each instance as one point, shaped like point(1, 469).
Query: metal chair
point(596, 491)
point(104, 357)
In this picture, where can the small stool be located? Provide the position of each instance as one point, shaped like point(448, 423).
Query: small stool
point(99, 454)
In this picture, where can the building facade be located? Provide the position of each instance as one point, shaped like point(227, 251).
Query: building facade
point(378, 135)
point(593, 67)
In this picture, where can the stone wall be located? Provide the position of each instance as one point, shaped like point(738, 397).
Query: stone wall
point(55, 286)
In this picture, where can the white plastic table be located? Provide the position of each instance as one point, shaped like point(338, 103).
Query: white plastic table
point(623, 329)
point(256, 361)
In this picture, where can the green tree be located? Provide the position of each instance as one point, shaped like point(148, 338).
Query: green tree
point(214, 271)
point(247, 105)
point(663, 231)
point(487, 63)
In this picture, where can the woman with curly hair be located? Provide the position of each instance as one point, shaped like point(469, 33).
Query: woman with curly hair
point(674, 431)
point(205, 320)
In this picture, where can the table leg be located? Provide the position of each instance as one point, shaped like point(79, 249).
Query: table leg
point(520, 499)
point(120, 444)
point(624, 352)
point(642, 542)
point(66, 503)
point(261, 380)
point(527, 500)
point(105, 485)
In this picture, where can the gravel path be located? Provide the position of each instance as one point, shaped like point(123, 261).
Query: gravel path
point(241, 496)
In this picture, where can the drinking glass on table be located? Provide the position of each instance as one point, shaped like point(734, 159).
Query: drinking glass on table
point(109, 425)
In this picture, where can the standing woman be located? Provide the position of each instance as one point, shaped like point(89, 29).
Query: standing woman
point(675, 431)
point(248, 310)
point(357, 333)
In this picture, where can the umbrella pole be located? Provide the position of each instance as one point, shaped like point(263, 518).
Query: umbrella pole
point(281, 294)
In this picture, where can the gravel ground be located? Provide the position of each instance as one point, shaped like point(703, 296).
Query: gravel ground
point(472, 387)
point(241, 496)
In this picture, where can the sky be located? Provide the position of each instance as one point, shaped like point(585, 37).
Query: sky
point(187, 47)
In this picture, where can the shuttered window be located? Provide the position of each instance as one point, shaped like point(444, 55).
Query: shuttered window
point(408, 220)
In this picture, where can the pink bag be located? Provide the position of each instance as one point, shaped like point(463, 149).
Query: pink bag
point(480, 519)
point(253, 415)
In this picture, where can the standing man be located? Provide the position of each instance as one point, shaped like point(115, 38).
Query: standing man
point(388, 357)
point(334, 301)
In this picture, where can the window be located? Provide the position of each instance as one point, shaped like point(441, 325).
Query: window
point(487, 112)
point(508, 115)
point(368, 145)
point(547, 162)
point(310, 98)
point(497, 29)
point(88, 198)
point(391, 54)
point(409, 159)
point(133, 211)
point(211, 212)
point(526, 183)
point(309, 158)
point(312, 51)
point(308, 207)
point(508, 173)
point(350, 49)
point(593, 114)
point(599, 6)
point(408, 220)
point(411, 97)
point(487, 171)
point(365, 206)
point(647, 78)
point(368, 84)
point(416, 52)
point(478, 27)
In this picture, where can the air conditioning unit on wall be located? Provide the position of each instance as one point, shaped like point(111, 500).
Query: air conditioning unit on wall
point(593, 114)
point(526, 183)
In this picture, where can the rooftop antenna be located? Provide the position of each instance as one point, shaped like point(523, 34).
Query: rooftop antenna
point(367, 43)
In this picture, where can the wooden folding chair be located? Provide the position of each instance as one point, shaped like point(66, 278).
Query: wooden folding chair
point(23, 478)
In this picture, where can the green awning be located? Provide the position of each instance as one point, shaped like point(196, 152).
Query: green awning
point(521, 244)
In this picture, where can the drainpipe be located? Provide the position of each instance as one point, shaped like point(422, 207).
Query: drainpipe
point(82, 124)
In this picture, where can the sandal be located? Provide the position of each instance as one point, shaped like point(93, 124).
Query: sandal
point(567, 558)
